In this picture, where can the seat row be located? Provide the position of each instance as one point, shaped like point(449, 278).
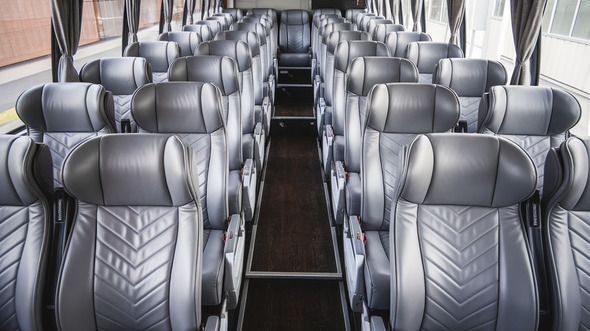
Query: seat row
point(373, 185)
point(126, 231)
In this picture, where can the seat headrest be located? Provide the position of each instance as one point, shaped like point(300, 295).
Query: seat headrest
point(412, 108)
point(178, 107)
point(318, 19)
point(469, 77)
point(366, 72)
point(203, 30)
point(246, 36)
point(214, 25)
point(576, 155)
point(426, 54)
point(65, 107)
point(323, 11)
point(336, 37)
point(382, 30)
point(346, 51)
point(376, 22)
point(120, 75)
point(16, 162)
point(159, 54)
point(131, 170)
point(331, 27)
point(221, 71)
point(223, 23)
point(236, 13)
point(467, 170)
point(186, 40)
point(294, 16)
point(398, 41)
point(236, 49)
point(530, 110)
point(254, 27)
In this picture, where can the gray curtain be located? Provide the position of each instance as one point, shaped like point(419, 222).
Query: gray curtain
point(395, 10)
point(380, 9)
point(190, 7)
point(416, 12)
point(527, 16)
point(66, 16)
point(456, 12)
point(205, 4)
point(168, 9)
point(132, 7)
point(388, 15)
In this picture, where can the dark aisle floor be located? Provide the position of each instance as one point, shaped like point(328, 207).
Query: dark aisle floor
point(294, 102)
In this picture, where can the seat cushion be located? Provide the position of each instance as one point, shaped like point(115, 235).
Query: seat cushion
point(377, 272)
point(295, 60)
point(212, 266)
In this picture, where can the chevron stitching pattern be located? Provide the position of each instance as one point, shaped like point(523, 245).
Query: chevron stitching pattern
point(579, 232)
point(13, 232)
point(159, 77)
point(123, 109)
point(60, 145)
point(425, 78)
point(134, 250)
point(469, 112)
point(201, 144)
point(295, 39)
point(537, 147)
point(391, 146)
point(460, 255)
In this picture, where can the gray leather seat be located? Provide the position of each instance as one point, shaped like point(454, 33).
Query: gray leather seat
point(134, 256)
point(272, 15)
point(364, 73)
point(324, 89)
point(236, 13)
point(460, 258)
point(229, 19)
point(566, 234)
point(324, 32)
point(317, 52)
point(326, 11)
point(381, 31)
point(252, 129)
point(62, 115)
point(333, 133)
point(426, 54)
point(214, 25)
point(364, 23)
point(223, 21)
point(316, 19)
point(373, 24)
point(203, 30)
point(121, 77)
point(470, 79)
point(197, 118)
point(398, 41)
point(350, 14)
point(395, 114)
point(159, 55)
point(187, 41)
point(25, 224)
point(536, 118)
point(359, 18)
point(294, 39)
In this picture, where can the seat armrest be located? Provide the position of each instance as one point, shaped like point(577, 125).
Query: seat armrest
point(377, 324)
point(235, 191)
point(249, 189)
point(320, 109)
point(354, 261)
point(234, 260)
point(327, 144)
point(337, 187)
point(271, 89)
point(267, 114)
point(213, 323)
point(259, 144)
point(352, 194)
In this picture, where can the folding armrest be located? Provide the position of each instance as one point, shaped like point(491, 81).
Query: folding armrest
point(377, 324)
point(354, 257)
point(320, 110)
point(338, 186)
point(249, 189)
point(234, 260)
point(327, 144)
point(352, 194)
point(259, 145)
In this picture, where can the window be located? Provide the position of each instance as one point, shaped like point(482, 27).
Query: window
point(568, 18)
point(437, 19)
point(499, 8)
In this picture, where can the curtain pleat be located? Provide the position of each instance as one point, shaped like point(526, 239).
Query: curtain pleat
point(527, 16)
point(66, 16)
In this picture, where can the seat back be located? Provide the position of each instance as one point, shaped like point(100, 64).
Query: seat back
point(381, 31)
point(359, 18)
point(62, 115)
point(470, 79)
point(136, 243)
point(323, 40)
point(222, 71)
point(398, 41)
point(317, 46)
point(228, 18)
point(187, 41)
point(272, 15)
point(315, 26)
point(565, 227)
point(260, 31)
point(364, 24)
point(294, 31)
point(265, 11)
point(366, 72)
point(240, 52)
point(236, 13)
point(223, 21)
point(121, 77)
point(25, 218)
point(376, 22)
point(326, 11)
point(350, 14)
point(203, 30)
point(159, 55)
point(426, 54)
point(459, 253)
point(536, 118)
point(214, 25)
